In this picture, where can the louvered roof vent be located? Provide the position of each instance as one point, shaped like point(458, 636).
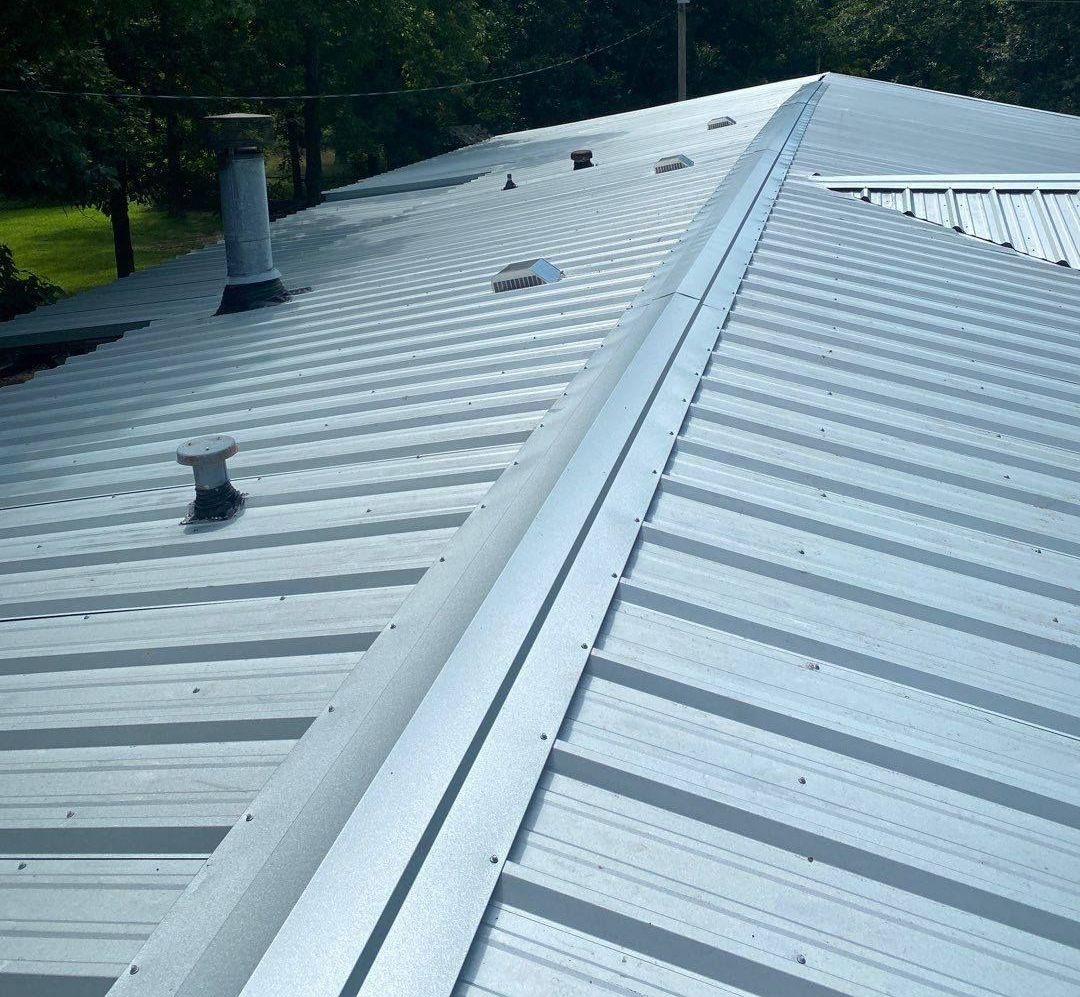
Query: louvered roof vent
point(721, 122)
point(669, 163)
point(526, 273)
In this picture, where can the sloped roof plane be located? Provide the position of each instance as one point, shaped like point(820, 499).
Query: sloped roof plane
point(733, 646)
point(156, 676)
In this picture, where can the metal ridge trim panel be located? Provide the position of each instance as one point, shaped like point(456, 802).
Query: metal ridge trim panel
point(457, 799)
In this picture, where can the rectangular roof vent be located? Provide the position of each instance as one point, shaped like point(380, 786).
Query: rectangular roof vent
point(669, 163)
point(526, 273)
point(721, 122)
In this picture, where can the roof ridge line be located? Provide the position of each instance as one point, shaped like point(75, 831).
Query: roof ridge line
point(549, 599)
point(265, 864)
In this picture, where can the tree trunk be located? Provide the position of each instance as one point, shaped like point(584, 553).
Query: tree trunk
point(174, 181)
point(292, 128)
point(121, 223)
point(312, 129)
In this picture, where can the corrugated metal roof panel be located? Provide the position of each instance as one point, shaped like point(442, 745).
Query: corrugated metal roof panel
point(154, 675)
point(868, 127)
point(1036, 217)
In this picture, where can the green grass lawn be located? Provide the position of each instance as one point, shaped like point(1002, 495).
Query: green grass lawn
point(72, 247)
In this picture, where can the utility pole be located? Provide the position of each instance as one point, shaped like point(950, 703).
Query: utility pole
point(681, 9)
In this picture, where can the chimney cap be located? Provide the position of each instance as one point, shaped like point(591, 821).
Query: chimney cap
point(228, 132)
point(206, 450)
point(581, 155)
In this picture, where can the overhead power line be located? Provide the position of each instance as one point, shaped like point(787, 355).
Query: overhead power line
point(464, 84)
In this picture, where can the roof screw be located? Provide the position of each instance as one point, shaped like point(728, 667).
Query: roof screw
point(22, 865)
point(802, 780)
point(133, 970)
point(800, 959)
point(543, 737)
point(249, 817)
point(195, 690)
point(509, 185)
point(215, 497)
point(584, 647)
point(494, 859)
point(71, 813)
point(330, 708)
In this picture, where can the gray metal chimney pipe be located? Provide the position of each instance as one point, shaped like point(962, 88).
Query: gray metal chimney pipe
point(253, 281)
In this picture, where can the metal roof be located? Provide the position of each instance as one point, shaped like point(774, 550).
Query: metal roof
point(868, 128)
point(826, 737)
point(157, 677)
point(722, 639)
point(1038, 217)
point(825, 741)
point(777, 692)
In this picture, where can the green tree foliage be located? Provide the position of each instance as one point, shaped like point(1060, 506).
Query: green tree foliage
point(54, 147)
point(20, 290)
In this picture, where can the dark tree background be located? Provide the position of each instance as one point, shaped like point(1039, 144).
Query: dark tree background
point(108, 151)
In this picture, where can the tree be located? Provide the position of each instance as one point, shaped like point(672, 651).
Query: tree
point(20, 290)
point(70, 149)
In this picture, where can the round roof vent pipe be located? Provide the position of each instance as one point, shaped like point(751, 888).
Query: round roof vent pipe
point(582, 159)
point(215, 497)
point(509, 185)
point(238, 140)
